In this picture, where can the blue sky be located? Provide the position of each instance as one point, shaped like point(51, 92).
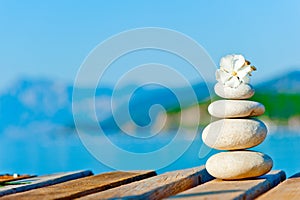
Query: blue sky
point(52, 38)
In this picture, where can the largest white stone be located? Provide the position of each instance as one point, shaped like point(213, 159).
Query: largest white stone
point(234, 134)
point(238, 164)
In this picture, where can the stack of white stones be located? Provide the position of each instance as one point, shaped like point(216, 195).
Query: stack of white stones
point(237, 131)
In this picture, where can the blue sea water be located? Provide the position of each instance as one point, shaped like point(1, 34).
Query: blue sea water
point(46, 153)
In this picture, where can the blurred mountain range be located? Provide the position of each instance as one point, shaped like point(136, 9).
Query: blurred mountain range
point(46, 103)
point(286, 83)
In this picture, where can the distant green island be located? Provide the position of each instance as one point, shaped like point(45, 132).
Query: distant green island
point(282, 109)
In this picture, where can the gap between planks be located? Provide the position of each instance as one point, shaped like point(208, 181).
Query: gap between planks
point(289, 189)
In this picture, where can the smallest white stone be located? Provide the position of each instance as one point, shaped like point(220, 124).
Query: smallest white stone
point(243, 91)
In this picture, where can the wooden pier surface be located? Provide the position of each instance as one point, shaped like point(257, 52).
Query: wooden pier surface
point(193, 183)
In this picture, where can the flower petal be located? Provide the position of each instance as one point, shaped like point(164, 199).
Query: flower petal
point(244, 71)
point(234, 82)
point(227, 63)
point(238, 62)
point(245, 79)
point(222, 76)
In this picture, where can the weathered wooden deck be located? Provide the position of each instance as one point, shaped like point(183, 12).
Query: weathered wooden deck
point(194, 183)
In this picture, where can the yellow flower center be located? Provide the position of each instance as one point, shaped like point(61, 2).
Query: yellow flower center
point(234, 73)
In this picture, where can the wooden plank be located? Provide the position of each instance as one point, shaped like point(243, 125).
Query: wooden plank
point(242, 189)
point(157, 187)
point(84, 186)
point(289, 189)
point(8, 178)
point(41, 181)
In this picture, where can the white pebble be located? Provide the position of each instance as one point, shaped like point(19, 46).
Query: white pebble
point(235, 108)
point(243, 91)
point(234, 134)
point(238, 165)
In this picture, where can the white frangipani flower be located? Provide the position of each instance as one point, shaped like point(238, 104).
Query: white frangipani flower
point(234, 70)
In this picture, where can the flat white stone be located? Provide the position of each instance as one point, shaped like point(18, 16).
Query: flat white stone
point(234, 134)
point(238, 164)
point(235, 108)
point(243, 91)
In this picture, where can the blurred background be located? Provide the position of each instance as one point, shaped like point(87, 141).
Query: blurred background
point(43, 44)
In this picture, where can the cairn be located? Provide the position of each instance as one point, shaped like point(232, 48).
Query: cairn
point(237, 129)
